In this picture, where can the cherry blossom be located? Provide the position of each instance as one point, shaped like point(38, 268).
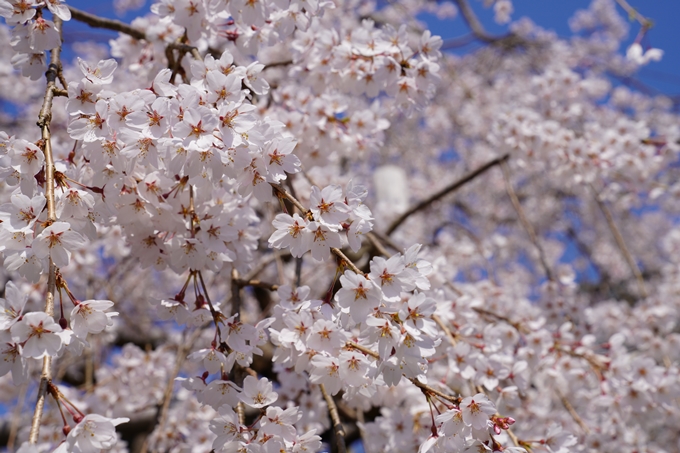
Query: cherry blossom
point(492, 230)
point(476, 410)
point(257, 393)
point(12, 306)
point(38, 334)
point(57, 241)
point(94, 432)
point(88, 317)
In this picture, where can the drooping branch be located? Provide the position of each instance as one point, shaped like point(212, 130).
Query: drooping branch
point(44, 118)
point(338, 429)
point(574, 415)
point(621, 243)
point(445, 191)
point(164, 407)
point(525, 222)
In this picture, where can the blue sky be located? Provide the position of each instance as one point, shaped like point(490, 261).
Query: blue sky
point(663, 76)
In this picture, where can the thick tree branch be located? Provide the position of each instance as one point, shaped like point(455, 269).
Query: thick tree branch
point(445, 191)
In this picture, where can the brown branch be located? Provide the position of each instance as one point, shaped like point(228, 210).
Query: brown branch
point(278, 64)
point(442, 325)
point(427, 389)
point(282, 192)
point(634, 14)
point(471, 19)
point(44, 119)
point(508, 41)
point(337, 252)
point(525, 222)
point(375, 242)
point(445, 191)
point(417, 383)
point(260, 284)
point(266, 261)
point(364, 349)
point(109, 24)
point(338, 429)
point(621, 243)
point(574, 415)
point(163, 409)
point(385, 240)
point(520, 328)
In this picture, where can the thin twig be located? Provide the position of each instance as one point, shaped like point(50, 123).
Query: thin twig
point(417, 383)
point(525, 222)
point(163, 410)
point(44, 119)
point(109, 24)
point(337, 252)
point(386, 240)
point(427, 389)
point(567, 405)
point(513, 437)
point(373, 239)
point(257, 283)
point(634, 14)
point(281, 191)
point(445, 191)
point(519, 327)
point(338, 429)
point(442, 325)
point(507, 41)
point(471, 19)
point(621, 243)
point(262, 265)
point(363, 349)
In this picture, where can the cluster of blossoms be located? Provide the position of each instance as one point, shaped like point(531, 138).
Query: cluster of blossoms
point(331, 213)
point(215, 180)
point(33, 34)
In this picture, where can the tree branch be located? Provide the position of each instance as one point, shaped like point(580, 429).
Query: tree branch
point(44, 119)
point(574, 415)
point(109, 24)
point(621, 243)
point(163, 409)
point(634, 14)
point(445, 191)
point(508, 41)
point(525, 222)
point(338, 429)
point(258, 283)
